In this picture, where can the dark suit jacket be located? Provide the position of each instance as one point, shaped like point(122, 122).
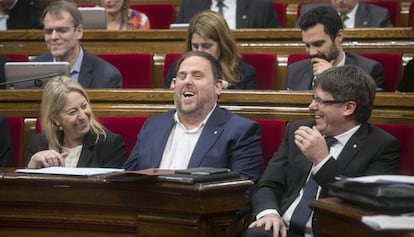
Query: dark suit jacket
point(108, 152)
point(367, 15)
point(249, 13)
point(247, 81)
point(227, 141)
point(369, 151)
point(26, 14)
point(406, 83)
point(299, 75)
point(5, 144)
point(94, 71)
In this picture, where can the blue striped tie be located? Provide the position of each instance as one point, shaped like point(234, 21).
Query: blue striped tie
point(302, 211)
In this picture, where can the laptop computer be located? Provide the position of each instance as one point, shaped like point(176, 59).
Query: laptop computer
point(33, 75)
point(93, 17)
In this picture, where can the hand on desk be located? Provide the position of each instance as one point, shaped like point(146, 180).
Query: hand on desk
point(273, 223)
point(47, 158)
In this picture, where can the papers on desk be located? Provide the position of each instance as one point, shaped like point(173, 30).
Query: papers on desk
point(70, 171)
point(384, 222)
point(383, 179)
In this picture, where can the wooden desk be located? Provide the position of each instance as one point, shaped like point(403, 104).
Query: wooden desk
point(53, 205)
point(337, 218)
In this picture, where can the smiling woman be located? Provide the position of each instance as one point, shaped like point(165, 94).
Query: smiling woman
point(71, 135)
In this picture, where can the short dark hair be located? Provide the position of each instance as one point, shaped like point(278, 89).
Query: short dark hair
point(325, 15)
point(56, 7)
point(215, 65)
point(350, 83)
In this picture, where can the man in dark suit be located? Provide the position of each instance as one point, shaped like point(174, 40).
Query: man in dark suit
point(238, 13)
point(198, 133)
point(356, 14)
point(322, 33)
point(22, 14)
point(342, 103)
point(63, 31)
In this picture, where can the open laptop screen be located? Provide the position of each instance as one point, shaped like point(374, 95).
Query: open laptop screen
point(33, 75)
point(93, 17)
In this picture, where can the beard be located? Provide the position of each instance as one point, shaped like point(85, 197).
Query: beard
point(331, 55)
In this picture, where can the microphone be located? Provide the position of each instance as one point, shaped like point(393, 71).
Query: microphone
point(37, 81)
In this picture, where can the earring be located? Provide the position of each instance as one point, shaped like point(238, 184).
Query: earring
point(60, 128)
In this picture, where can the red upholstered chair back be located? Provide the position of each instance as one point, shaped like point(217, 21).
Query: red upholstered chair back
point(272, 136)
point(265, 64)
point(17, 57)
point(280, 9)
point(16, 126)
point(405, 134)
point(160, 15)
point(127, 127)
point(169, 59)
point(393, 9)
point(411, 14)
point(136, 68)
point(392, 64)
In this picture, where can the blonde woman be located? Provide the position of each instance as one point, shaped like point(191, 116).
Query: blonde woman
point(120, 17)
point(71, 136)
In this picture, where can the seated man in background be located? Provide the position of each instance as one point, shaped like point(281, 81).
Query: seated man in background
point(322, 33)
point(355, 14)
point(21, 14)
point(198, 133)
point(239, 14)
point(339, 141)
point(63, 31)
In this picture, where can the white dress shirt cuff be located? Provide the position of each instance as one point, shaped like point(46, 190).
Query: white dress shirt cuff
point(266, 212)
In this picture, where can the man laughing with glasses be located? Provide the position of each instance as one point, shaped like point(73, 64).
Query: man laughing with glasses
point(339, 141)
point(63, 30)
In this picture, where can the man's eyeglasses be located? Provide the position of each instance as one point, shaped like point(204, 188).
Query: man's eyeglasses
point(323, 102)
point(58, 30)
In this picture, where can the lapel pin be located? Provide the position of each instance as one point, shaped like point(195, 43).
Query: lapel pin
point(354, 146)
point(215, 132)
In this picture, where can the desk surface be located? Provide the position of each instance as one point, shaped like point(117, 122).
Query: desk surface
point(337, 218)
point(54, 205)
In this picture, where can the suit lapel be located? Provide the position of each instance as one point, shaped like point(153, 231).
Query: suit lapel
point(161, 138)
point(88, 149)
point(86, 71)
point(208, 137)
point(352, 147)
point(241, 13)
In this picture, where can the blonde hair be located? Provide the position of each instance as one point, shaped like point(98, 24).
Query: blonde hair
point(212, 25)
point(54, 99)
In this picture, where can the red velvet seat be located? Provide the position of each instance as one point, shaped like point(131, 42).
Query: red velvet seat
point(392, 6)
point(265, 64)
point(126, 126)
point(280, 9)
point(17, 57)
point(136, 68)
point(169, 59)
point(161, 16)
point(272, 136)
point(405, 134)
point(16, 126)
point(391, 62)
